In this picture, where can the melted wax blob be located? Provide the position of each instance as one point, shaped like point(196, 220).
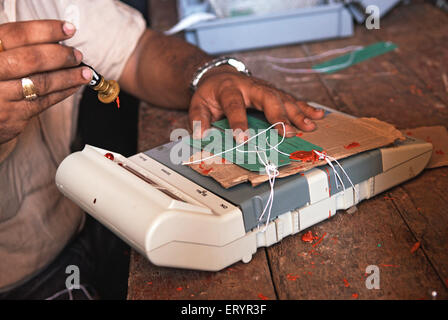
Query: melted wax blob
point(304, 156)
point(352, 145)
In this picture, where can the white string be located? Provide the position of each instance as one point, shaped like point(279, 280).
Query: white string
point(275, 148)
point(329, 160)
point(270, 168)
point(318, 70)
point(273, 173)
point(305, 59)
point(241, 144)
point(69, 291)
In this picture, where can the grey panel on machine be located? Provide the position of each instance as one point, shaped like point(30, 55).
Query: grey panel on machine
point(359, 168)
point(290, 193)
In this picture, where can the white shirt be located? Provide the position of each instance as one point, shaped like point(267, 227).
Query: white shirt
point(36, 221)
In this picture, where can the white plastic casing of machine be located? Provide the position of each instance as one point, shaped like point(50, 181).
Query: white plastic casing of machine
point(175, 222)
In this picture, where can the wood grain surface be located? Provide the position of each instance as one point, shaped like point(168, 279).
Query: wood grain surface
point(406, 88)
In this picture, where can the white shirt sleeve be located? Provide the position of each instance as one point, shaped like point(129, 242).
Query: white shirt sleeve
point(107, 30)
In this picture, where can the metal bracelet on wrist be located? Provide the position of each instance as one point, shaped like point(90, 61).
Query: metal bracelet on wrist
point(237, 64)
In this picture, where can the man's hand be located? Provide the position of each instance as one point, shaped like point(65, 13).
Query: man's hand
point(230, 93)
point(160, 72)
point(32, 49)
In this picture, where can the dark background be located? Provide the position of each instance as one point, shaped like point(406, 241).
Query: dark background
point(105, 126)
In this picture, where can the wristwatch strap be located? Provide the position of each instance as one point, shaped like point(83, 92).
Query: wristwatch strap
point(237, 64)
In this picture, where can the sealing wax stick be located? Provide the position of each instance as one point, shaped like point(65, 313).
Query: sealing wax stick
point(108, 90)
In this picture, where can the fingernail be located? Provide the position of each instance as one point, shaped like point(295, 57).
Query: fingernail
point(78, 55)
point(69, 28)
point(87, 74)
point(241, 138)
point(197, 134)
point(307, 121)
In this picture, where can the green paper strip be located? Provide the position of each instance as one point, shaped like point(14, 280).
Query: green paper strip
point(250, 161)
point(355, 57)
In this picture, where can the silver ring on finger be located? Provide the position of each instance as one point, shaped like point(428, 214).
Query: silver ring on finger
point(29, 90)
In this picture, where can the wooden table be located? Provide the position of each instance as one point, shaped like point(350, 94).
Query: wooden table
point(405, 88)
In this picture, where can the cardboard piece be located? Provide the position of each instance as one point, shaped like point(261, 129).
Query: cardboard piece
point(438, 137)
point(220, 140)
point(339, 135)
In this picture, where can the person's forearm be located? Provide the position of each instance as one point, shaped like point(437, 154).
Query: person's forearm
point(160, 72)
point(161, 69)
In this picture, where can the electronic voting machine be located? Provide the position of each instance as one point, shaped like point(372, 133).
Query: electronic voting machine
point(178, 218)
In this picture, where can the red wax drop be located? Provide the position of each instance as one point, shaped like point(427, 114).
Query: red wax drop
point(291, 277)
point(352, 145)
point(304, 156)
point(262, 297)
point(206, 172)
point(415, 247)
point(308, 237)
point(109, 156)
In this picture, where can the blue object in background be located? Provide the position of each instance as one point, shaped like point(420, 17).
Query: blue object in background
point(258, 31)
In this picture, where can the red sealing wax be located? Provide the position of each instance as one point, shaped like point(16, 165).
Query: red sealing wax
point(304, 156)
point(109, 156)
point(308, 237)
point(352, 145)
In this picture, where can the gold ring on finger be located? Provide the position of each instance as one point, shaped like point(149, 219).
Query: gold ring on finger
point(29, 90)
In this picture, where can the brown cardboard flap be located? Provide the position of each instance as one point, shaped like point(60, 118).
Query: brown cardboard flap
point(339, 135)
point(438, 137)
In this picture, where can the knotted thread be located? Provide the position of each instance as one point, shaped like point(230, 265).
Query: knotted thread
point(323, 156)
point(270, 168)
point(273, 173)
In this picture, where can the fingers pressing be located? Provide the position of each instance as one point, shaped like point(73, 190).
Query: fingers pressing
point(299, 119)
point(269, 101)
point(310, 111)
point(232, 102)
point(200, 118)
